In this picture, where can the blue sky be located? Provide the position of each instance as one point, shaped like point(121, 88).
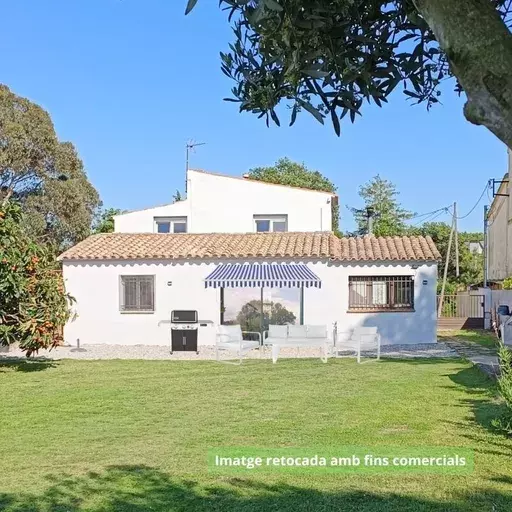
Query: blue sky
point(130, 81)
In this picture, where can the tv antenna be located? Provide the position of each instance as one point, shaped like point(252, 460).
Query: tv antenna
point(190, 147)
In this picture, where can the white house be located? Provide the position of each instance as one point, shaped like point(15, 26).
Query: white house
point(225, 204)
point(241, 251)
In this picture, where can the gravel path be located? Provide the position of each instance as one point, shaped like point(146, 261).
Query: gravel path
point(156, 352)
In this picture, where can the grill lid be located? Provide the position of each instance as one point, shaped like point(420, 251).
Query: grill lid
point(184, 316)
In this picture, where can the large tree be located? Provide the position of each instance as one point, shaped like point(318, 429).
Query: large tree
point(294, 174)
point(45, 175)
point(34, 306)
point(274, 313)
point(342, 52)
point(104, 221)
point(471, 265)
point(380, 199)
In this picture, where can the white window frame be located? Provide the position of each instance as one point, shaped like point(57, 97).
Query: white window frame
point(172, 221)
point(122, 299)
point(271, 219)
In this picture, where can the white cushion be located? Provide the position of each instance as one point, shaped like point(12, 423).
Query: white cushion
point(229, 333)
point(317, 331)
point(297, 331)
point(358, 331)
point(277, 331)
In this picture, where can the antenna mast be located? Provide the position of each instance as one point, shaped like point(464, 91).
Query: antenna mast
point(190, 145)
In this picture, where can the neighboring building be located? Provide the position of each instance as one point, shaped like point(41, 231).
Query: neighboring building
point(500, 231)
point(242, 251)
point(125, 284)
point(226, 204)
point(475, 247)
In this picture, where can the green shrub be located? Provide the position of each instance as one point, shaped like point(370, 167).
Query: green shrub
point(507, 283)
point(504, 423)
point(34, 306)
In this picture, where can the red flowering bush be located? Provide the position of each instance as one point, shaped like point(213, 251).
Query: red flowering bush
point(33, 303)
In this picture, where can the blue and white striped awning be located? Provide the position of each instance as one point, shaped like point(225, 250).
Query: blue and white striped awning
point(267, 275)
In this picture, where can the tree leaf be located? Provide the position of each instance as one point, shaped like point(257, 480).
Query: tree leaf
point(315, 73)
point(294, 114)
point(274, 117)
point(335, 122)
point(312, 110)
point(190, 5)
point(273, 5)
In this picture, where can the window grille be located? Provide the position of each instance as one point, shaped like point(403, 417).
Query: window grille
point(137, 293)
point(391, 293)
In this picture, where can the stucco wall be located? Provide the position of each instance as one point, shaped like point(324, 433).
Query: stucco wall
point(95, 286)
point(142, 221)
point(498, 239)
point(500, 230)
point(223, 204)
point(219, 204)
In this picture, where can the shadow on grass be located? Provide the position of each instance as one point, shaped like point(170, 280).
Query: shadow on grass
point(484, 400)
point(19, 364)
point(420, 360)
point(141, 488)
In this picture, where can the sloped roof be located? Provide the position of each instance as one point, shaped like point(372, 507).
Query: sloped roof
point(323, 245)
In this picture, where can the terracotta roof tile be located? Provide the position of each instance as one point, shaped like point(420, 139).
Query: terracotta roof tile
point(325, 245)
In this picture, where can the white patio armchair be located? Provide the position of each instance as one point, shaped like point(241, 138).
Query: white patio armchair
point(230, 338)
point(360, 340)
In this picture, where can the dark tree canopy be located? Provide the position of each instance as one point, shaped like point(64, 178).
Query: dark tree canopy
point(45, 175)
point(328, 56)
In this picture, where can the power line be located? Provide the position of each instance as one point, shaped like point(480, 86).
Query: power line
point(435, 215)
point(444, 208)
point(487, 185)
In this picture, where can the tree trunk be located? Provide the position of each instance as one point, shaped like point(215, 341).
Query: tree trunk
point(478, 45)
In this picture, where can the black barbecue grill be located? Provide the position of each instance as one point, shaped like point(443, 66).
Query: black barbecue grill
point(184, 327)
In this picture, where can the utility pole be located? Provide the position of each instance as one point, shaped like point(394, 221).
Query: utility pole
point(441, 299)
point(456, 239)
point(486, 255)
point(190, 145)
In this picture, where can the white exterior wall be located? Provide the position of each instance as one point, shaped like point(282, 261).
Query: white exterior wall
point(220, 204)
point(226, 205)
point(498, 239)
point(95, 286)
point(142, 221)
point(500, 231)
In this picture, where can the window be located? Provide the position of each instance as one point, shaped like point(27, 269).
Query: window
point(370, 293)
point(268, 223)
point(137, 294)
point(171, 224)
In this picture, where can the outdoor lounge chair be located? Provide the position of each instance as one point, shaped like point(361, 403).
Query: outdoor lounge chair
point(362, 339)
point(230, 338)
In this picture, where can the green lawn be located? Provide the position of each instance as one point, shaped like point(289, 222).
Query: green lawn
point(484, 338)
point(133, 435)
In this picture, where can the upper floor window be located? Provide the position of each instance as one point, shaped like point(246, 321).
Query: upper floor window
point(270, 223)
point(171, 224)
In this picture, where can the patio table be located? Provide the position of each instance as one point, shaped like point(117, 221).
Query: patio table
point(277, 344)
